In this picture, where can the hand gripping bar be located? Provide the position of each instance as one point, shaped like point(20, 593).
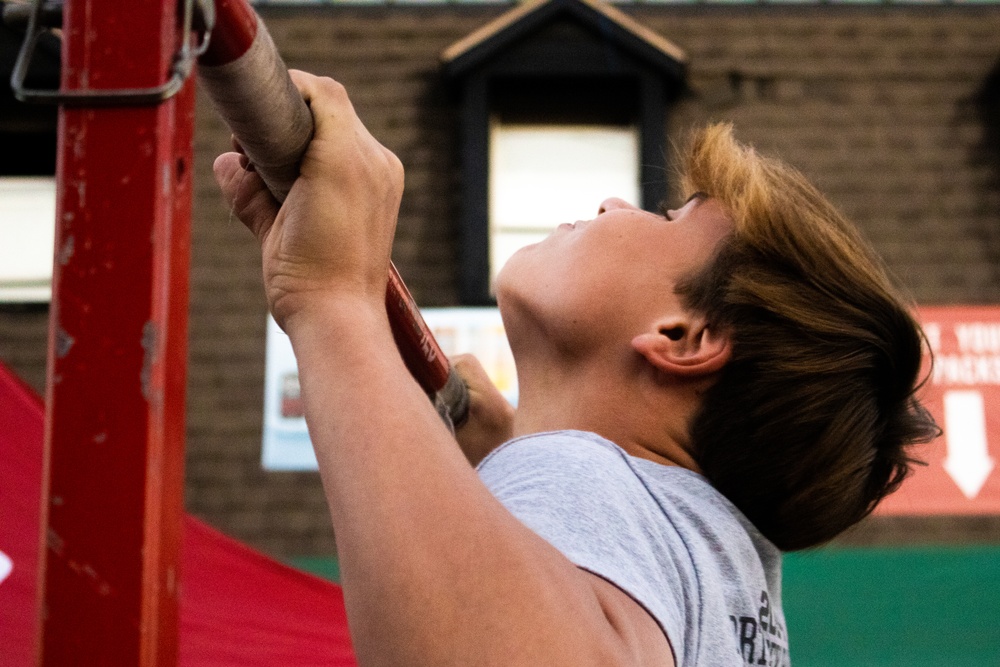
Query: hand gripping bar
point(249, 85)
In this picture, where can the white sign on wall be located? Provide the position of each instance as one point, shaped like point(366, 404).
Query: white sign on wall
point(27, 236)
point(286, 444)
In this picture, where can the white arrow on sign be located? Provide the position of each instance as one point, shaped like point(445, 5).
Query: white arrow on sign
point(968, 460)
point(6, 566)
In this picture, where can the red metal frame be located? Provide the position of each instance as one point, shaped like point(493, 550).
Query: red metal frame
point(112, 503)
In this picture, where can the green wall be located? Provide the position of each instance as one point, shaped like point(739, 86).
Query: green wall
point(894, 607)
point(868, 607)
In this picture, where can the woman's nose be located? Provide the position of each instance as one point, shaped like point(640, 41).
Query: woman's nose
point(612, 203)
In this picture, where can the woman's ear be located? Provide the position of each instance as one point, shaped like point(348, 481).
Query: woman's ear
point(684, 346)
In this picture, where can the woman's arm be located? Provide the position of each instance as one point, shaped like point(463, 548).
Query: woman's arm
point(435, 571)
point(491, 418)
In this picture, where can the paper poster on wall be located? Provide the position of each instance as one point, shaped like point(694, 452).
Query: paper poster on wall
point(286, 440)
point(286, 444)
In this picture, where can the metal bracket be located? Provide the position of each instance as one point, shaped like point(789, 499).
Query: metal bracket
point(179, 72)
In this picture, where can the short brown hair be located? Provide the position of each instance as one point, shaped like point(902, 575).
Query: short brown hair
point(808, 425)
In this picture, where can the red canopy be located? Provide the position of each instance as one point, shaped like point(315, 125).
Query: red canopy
point(238, 607)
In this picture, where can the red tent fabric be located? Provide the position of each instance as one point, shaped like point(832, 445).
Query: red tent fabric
point(241, 608)
point(238, 607)
point(22, 424)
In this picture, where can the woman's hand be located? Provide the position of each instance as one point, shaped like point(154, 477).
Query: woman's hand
point(330, 241)
point(491, 418)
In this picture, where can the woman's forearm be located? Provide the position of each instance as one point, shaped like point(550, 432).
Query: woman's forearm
point(434, 569)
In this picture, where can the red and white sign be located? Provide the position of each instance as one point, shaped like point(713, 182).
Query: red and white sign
point(963, 394)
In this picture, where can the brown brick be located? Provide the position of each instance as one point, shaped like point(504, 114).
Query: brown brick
point(877, 104)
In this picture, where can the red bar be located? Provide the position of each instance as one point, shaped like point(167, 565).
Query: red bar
point(235, 29)
point(117, 348)
point(420, 351)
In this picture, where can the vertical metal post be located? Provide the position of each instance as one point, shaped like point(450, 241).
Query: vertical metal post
point(112, 503)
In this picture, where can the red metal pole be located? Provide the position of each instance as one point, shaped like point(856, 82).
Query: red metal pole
point(117, 347)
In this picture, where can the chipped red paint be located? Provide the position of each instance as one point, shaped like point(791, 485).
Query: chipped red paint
point(117, 362)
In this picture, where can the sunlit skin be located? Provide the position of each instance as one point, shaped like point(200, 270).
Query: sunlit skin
point(599, 334)
point(435, 571)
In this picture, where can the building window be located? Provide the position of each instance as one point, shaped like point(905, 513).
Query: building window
point(27, 176)
point(27, 236)
point(563, 104)
point(543, 175)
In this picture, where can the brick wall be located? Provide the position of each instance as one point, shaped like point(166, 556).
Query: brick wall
point(892, 111)
point(881, 108)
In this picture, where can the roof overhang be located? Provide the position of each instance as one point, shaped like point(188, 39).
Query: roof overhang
point(604, 20)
